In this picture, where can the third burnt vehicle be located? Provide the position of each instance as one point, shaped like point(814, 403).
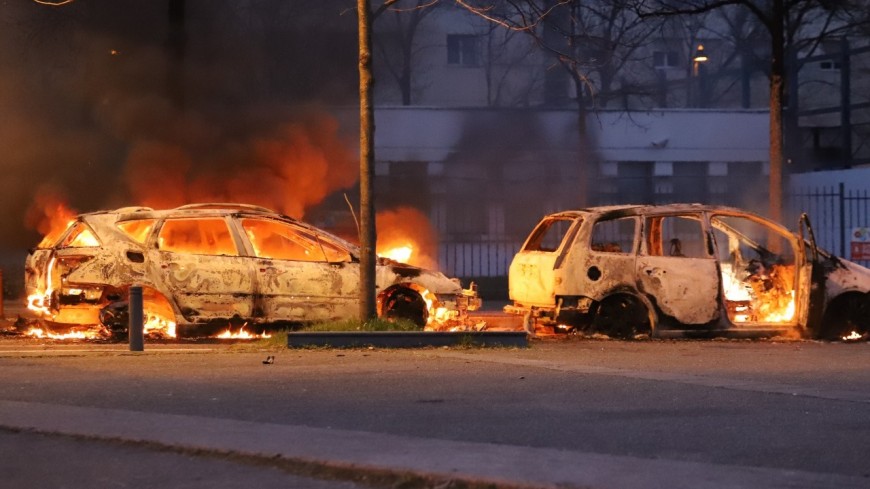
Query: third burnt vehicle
point(686, 269)
point(205, 265)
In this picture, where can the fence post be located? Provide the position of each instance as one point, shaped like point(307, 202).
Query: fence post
point(844, 233)
point(135, 329)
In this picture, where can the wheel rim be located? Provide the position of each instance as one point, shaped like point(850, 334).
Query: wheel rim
point(622, 317)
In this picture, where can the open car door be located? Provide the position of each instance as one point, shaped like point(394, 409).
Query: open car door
point(813, 304)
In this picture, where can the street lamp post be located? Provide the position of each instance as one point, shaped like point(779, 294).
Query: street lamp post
point(699, 75)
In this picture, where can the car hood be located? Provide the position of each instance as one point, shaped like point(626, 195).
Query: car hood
point(391, 272)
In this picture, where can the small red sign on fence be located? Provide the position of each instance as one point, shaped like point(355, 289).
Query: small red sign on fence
point(860, 247)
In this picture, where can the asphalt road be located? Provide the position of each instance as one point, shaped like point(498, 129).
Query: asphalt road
point(562, 413)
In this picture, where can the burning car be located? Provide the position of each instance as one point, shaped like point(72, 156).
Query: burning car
point(685, 269)
point(205, 264)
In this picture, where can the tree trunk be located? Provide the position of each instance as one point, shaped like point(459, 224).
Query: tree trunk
point(777, 70)
point(368, 235)
point(584, 155)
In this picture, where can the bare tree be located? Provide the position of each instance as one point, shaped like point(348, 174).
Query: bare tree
point(396, 39)
point(590, 43)
point(790, 24)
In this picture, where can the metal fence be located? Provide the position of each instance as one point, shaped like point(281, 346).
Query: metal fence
point(836, 214)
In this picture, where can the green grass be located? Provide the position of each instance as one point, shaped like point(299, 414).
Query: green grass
point(278, 339)
point(357, 325)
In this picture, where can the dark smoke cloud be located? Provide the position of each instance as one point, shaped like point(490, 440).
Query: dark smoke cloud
point(85, 115)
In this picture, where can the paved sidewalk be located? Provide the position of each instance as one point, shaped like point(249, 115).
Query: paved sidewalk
point(485, 463)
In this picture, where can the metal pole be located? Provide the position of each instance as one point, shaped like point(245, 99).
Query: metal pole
point(846, 101)
point(844, 233)
point(136, 328)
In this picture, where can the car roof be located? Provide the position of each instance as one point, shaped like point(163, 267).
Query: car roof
point(189, 210)
point(641, 209)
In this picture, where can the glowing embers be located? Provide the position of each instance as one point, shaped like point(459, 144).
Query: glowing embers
point(761, 296)
point(441, 318)
point(157, 326)
point(853, 336)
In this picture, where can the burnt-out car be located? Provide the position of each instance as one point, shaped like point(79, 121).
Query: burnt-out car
point(685, 269)
point(207, 264)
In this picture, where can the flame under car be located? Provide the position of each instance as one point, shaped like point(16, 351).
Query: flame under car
point(685, 269)
point(204, 266)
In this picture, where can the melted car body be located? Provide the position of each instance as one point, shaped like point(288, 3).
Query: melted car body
point(685, 268)
point(203, 263)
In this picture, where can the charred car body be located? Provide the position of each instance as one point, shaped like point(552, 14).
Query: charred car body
point(685, 268)
point(205, 264)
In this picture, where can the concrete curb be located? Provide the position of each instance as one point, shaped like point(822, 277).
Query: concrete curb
point(406, 339)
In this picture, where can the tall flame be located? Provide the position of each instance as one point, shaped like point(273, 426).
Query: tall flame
point(406, 235)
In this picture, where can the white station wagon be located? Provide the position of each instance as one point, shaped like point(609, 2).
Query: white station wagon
point(206, 264)
point(687, 269)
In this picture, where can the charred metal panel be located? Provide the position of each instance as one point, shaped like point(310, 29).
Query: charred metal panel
point(36, 271)
point(843, 276)
point(205, 286)
point(686, 289)
point(599, 274)
point(307, 291)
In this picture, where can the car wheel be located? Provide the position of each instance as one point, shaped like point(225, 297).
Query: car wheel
point(406, 304)
point(846, 314)
point(621, 316)
point(115, 316)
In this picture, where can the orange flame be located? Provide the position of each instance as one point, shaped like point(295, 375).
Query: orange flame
point(228, 334)
point(407, 236)
point(89, 334)
point(401, 254)
point(751, 300)
point(50, 216)
point(157, 326)
point(439, 316)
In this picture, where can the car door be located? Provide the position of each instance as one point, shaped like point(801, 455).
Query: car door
point(610, 259)
point(198, 263)
point(532, 274)
point(301, 275)
point(677, 268)
point(762, 269)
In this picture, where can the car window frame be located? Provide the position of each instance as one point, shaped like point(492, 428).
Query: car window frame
point(700, 216)
point(158, 228)
point(635, 246)
point(322, 240)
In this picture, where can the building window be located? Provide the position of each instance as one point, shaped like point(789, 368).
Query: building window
point(829, 65)
point(463, 50)
point(635, 181)
point(666, 59)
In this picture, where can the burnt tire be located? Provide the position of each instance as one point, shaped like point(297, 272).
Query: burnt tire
point(845, 314)
point(406, 304)
point(622, 317)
